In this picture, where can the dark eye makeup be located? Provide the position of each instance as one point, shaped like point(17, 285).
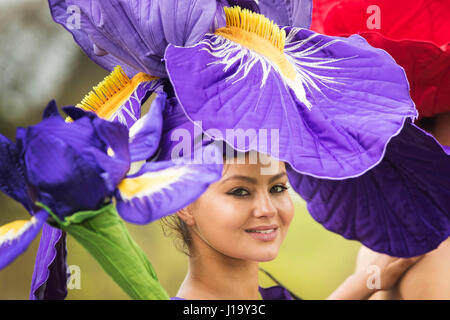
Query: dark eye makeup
point(239, 192)
point(243, 192)
point(278, 188)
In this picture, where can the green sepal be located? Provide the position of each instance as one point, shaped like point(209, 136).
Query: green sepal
point(74, 218)
point(104, 235)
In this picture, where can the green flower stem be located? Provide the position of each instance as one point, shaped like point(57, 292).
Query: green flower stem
point(104, 235)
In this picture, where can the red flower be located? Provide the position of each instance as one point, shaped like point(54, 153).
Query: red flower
point(415, 33)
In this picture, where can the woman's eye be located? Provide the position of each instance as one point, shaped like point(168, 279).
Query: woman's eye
point(239, 192)
point(279, 188)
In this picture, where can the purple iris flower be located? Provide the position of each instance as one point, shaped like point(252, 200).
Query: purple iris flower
point(57, 168)
point(135, 34)
point(55, 163)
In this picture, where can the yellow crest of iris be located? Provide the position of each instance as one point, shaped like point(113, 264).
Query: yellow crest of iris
point(256, 32)
point(111, 93)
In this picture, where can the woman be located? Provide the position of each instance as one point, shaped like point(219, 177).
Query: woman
point(340, 109)
point(242, 220)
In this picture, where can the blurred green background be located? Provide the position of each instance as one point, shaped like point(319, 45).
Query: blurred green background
point(39, 62)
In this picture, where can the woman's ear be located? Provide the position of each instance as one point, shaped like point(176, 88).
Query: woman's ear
point(186, 215)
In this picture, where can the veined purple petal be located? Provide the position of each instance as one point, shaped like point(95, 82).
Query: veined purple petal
point(145, 134)
point(135, 33)
point(334, 121)
point(130, 111)
point(294, 13)
point(12, 177)
point(69, 15)
point(65, 180)
point(15, 237)
point(161, 188)
point(181, 138)
point(401, 207)
point(50, 275)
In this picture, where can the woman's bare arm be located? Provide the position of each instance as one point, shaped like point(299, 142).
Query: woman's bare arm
point(375, 272)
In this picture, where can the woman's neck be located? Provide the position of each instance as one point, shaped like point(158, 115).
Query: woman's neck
point(213, 275)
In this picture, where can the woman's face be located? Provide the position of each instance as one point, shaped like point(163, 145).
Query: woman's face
point(245, 215)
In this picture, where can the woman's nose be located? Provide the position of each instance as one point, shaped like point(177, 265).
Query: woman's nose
point(264, 206)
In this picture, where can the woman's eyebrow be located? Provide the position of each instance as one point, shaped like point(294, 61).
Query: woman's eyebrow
point(238, 177)
point(253, 180)
point(276, 177)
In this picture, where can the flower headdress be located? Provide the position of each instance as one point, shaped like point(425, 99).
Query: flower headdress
point(344, 118)
point(338, 106)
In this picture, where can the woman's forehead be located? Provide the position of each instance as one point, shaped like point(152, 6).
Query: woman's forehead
point(259, 167)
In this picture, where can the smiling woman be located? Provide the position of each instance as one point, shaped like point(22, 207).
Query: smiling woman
point(337, 113)
point(240, 221)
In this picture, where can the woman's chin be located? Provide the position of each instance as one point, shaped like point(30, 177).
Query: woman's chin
point(266, 254)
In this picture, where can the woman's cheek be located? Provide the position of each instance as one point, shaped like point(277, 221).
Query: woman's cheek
point(286, 210)
point(226, 215)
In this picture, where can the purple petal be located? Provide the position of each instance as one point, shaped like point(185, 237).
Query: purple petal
point(16, 237)
point(116, 161)
point(51, 110)
point(65, 14)
point(294, 13)
point(12, 177)
point(145, 134)
point(447, 149)
point(50, 275)
point(162, 188)
point(401, 207)
point(333, 121)
point(75, 113)
point(178, 130)
point(181, 138)
point(65, 180)
point(130, 111)
point(135, 32)
point(79, 134)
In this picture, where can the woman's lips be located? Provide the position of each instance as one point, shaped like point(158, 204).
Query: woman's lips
point(263, 234)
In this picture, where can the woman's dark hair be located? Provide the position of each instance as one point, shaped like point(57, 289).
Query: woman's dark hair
point(173, 226)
